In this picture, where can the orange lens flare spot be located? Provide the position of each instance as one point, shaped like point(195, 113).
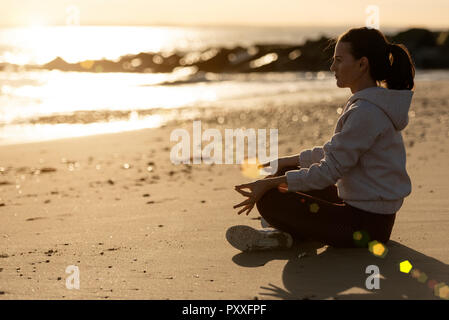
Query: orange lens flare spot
point(378, 249)
point(441, 290)
point(444, 292)
point(249, 168)
point(415, 273)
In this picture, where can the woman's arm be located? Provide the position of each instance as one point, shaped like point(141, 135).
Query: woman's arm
point(358, 133)
point(310, 156)
point(276, 181)
point(283, 162)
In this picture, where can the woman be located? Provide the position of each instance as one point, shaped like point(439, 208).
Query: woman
point(365, 158)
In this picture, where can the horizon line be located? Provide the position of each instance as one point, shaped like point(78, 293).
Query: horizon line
point(207, 25)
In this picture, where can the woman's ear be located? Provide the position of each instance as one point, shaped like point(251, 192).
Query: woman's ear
point(363, 63)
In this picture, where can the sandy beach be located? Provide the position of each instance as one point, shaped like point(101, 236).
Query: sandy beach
point(139, 227)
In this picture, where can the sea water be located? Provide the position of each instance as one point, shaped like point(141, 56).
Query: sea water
point(40, 105)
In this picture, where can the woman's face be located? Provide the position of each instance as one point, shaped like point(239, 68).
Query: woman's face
point(347, 70)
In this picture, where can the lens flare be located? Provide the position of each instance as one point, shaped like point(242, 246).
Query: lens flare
point(361, 238)
point(431, 284)
point(441, 290)
point(405, 266)
point(415, 273)
point(314, 207)
point(422, 278)
point(444, 292)
point(378, 249)
point(250, 168)
point(357, 236)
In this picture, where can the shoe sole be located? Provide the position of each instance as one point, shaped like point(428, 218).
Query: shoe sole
point(242, 237)
point(246, 238)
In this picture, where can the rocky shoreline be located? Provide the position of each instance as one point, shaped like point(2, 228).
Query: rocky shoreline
point(429, 50)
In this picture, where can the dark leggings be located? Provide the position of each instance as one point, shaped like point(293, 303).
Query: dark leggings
point(320, 215)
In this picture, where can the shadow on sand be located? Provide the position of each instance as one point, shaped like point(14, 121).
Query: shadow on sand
point(328, 274)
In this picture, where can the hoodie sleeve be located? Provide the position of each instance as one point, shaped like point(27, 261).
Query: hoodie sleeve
point(360, 128)
point(310, 156)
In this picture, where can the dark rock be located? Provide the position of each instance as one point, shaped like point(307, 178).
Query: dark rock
point(428, 49)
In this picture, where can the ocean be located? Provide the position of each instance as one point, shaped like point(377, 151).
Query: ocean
point(38, 105)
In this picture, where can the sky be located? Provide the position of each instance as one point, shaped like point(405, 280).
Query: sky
point(395, 13)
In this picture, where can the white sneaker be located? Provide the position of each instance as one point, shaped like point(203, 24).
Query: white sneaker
point(246, 238)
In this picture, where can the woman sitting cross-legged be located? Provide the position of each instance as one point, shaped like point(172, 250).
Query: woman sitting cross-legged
point(347, 192)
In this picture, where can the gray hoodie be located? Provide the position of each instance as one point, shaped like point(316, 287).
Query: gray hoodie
point(366, 155)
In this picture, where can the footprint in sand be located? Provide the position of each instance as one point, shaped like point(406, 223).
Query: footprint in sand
point(35, 218)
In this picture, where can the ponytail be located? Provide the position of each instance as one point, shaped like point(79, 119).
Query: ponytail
point(402, 71)
point(390, 64)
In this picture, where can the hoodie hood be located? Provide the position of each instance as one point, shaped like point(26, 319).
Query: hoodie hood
point(395, 103)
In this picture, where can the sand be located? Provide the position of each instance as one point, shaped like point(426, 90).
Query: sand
point(92, 202)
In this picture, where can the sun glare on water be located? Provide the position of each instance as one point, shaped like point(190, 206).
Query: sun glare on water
point(42, 43)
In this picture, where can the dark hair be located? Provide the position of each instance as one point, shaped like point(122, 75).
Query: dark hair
point(390, 63)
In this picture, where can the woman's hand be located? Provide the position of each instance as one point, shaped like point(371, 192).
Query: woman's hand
point(257, 188)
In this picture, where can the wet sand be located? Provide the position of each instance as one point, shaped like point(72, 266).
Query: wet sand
point(140, 227)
